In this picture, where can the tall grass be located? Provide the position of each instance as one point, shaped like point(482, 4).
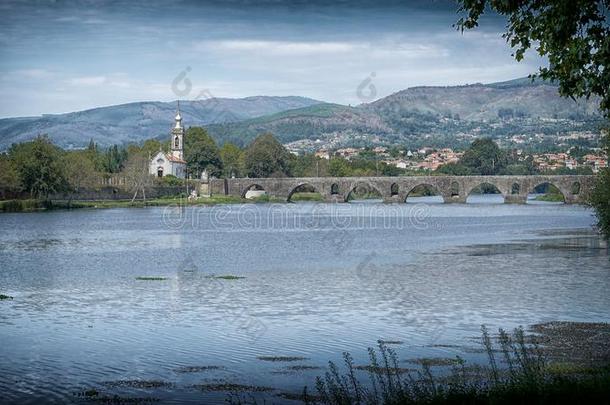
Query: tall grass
point(517, 371)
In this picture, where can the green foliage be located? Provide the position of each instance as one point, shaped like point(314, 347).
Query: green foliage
point(484, 157)
point(171, 180)
point(266, 157)
point(201, 152)
point(551, 197)
point(151, 146)
point(9, 176)
point(338, 167)
point(308, 165)
point(232, 160)
point(113, 159)
point(572, 34)
point(600, 195)
point(148, 278)
point(455, 169)
point(79, 170)
point(39, 165)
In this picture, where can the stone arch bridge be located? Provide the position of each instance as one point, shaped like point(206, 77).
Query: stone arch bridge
point(453, 189)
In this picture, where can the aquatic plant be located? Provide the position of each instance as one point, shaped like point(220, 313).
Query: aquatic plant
point(196, 369)
point(282, 358)
point(146, 278)
point(226, 277)
point(525, 376)
point(5, 297)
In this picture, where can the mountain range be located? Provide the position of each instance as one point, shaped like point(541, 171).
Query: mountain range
point(515, 106)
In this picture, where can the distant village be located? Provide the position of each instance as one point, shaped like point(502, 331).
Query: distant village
point(430, 159)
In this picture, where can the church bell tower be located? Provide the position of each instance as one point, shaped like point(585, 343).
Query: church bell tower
point(178, 136)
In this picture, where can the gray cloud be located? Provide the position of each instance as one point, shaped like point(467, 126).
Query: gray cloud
point(64, 56)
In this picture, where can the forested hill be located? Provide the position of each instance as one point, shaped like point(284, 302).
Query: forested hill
point(513, 107)
point(135, 122)
point(506, 108)
point(479, 102)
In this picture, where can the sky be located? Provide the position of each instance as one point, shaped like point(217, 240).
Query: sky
point(61, 56)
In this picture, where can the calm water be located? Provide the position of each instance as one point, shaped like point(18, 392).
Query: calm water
point(319, 280)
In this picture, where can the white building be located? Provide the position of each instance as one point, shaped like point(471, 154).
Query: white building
point(163, 164)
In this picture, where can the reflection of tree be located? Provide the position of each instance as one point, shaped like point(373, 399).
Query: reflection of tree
point(137, 176)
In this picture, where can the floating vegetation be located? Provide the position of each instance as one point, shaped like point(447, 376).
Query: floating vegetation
point(88, 393)
point(434, 361)
point(5, 297)
point(304, 396)
point(138, 384)
point(302, 367)
point(381, 370)
point(145, 278)
point(282, 358)
point(226, 277)
point(295, 369)
point(390, 342)
point(197, 369)
point(94, 395)
point(231, 387)
point(582, 343)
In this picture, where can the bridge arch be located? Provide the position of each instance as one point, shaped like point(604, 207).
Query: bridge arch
point(300, 188)
point(556, 194)
point(394, 189)
point(252, 187)
point(486, 187)
point(423, 188)
point(365, 184)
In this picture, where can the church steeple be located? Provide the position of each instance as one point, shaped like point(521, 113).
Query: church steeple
point(178, 136)
point(178, 117)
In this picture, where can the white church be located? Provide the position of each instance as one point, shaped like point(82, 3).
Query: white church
point(163, 164)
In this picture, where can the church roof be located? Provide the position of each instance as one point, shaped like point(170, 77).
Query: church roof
point(174, 159)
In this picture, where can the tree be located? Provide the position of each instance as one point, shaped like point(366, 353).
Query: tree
point(484, 157)
point(600, 195)
point(9, 177)
point(572, 34)
point(151, 147)
point(266, 157)
point(39, 165)
point(232, 160)
point(338, 167)
point(80, 172)
point(137, 176)
point(114, 159)
point(309, 165)
point(201, 152)
point(454, 169)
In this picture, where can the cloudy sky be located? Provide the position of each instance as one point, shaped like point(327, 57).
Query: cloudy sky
point(60, 56)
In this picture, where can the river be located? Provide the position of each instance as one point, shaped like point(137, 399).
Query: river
point(318, 280)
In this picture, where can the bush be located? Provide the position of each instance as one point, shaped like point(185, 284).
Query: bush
point(171, 180)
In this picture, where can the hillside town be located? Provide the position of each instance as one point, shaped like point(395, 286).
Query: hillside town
point(430, 159)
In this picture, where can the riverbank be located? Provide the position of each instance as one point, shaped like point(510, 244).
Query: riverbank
point(550, 363)
point(48, 205)
point(33, 205)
